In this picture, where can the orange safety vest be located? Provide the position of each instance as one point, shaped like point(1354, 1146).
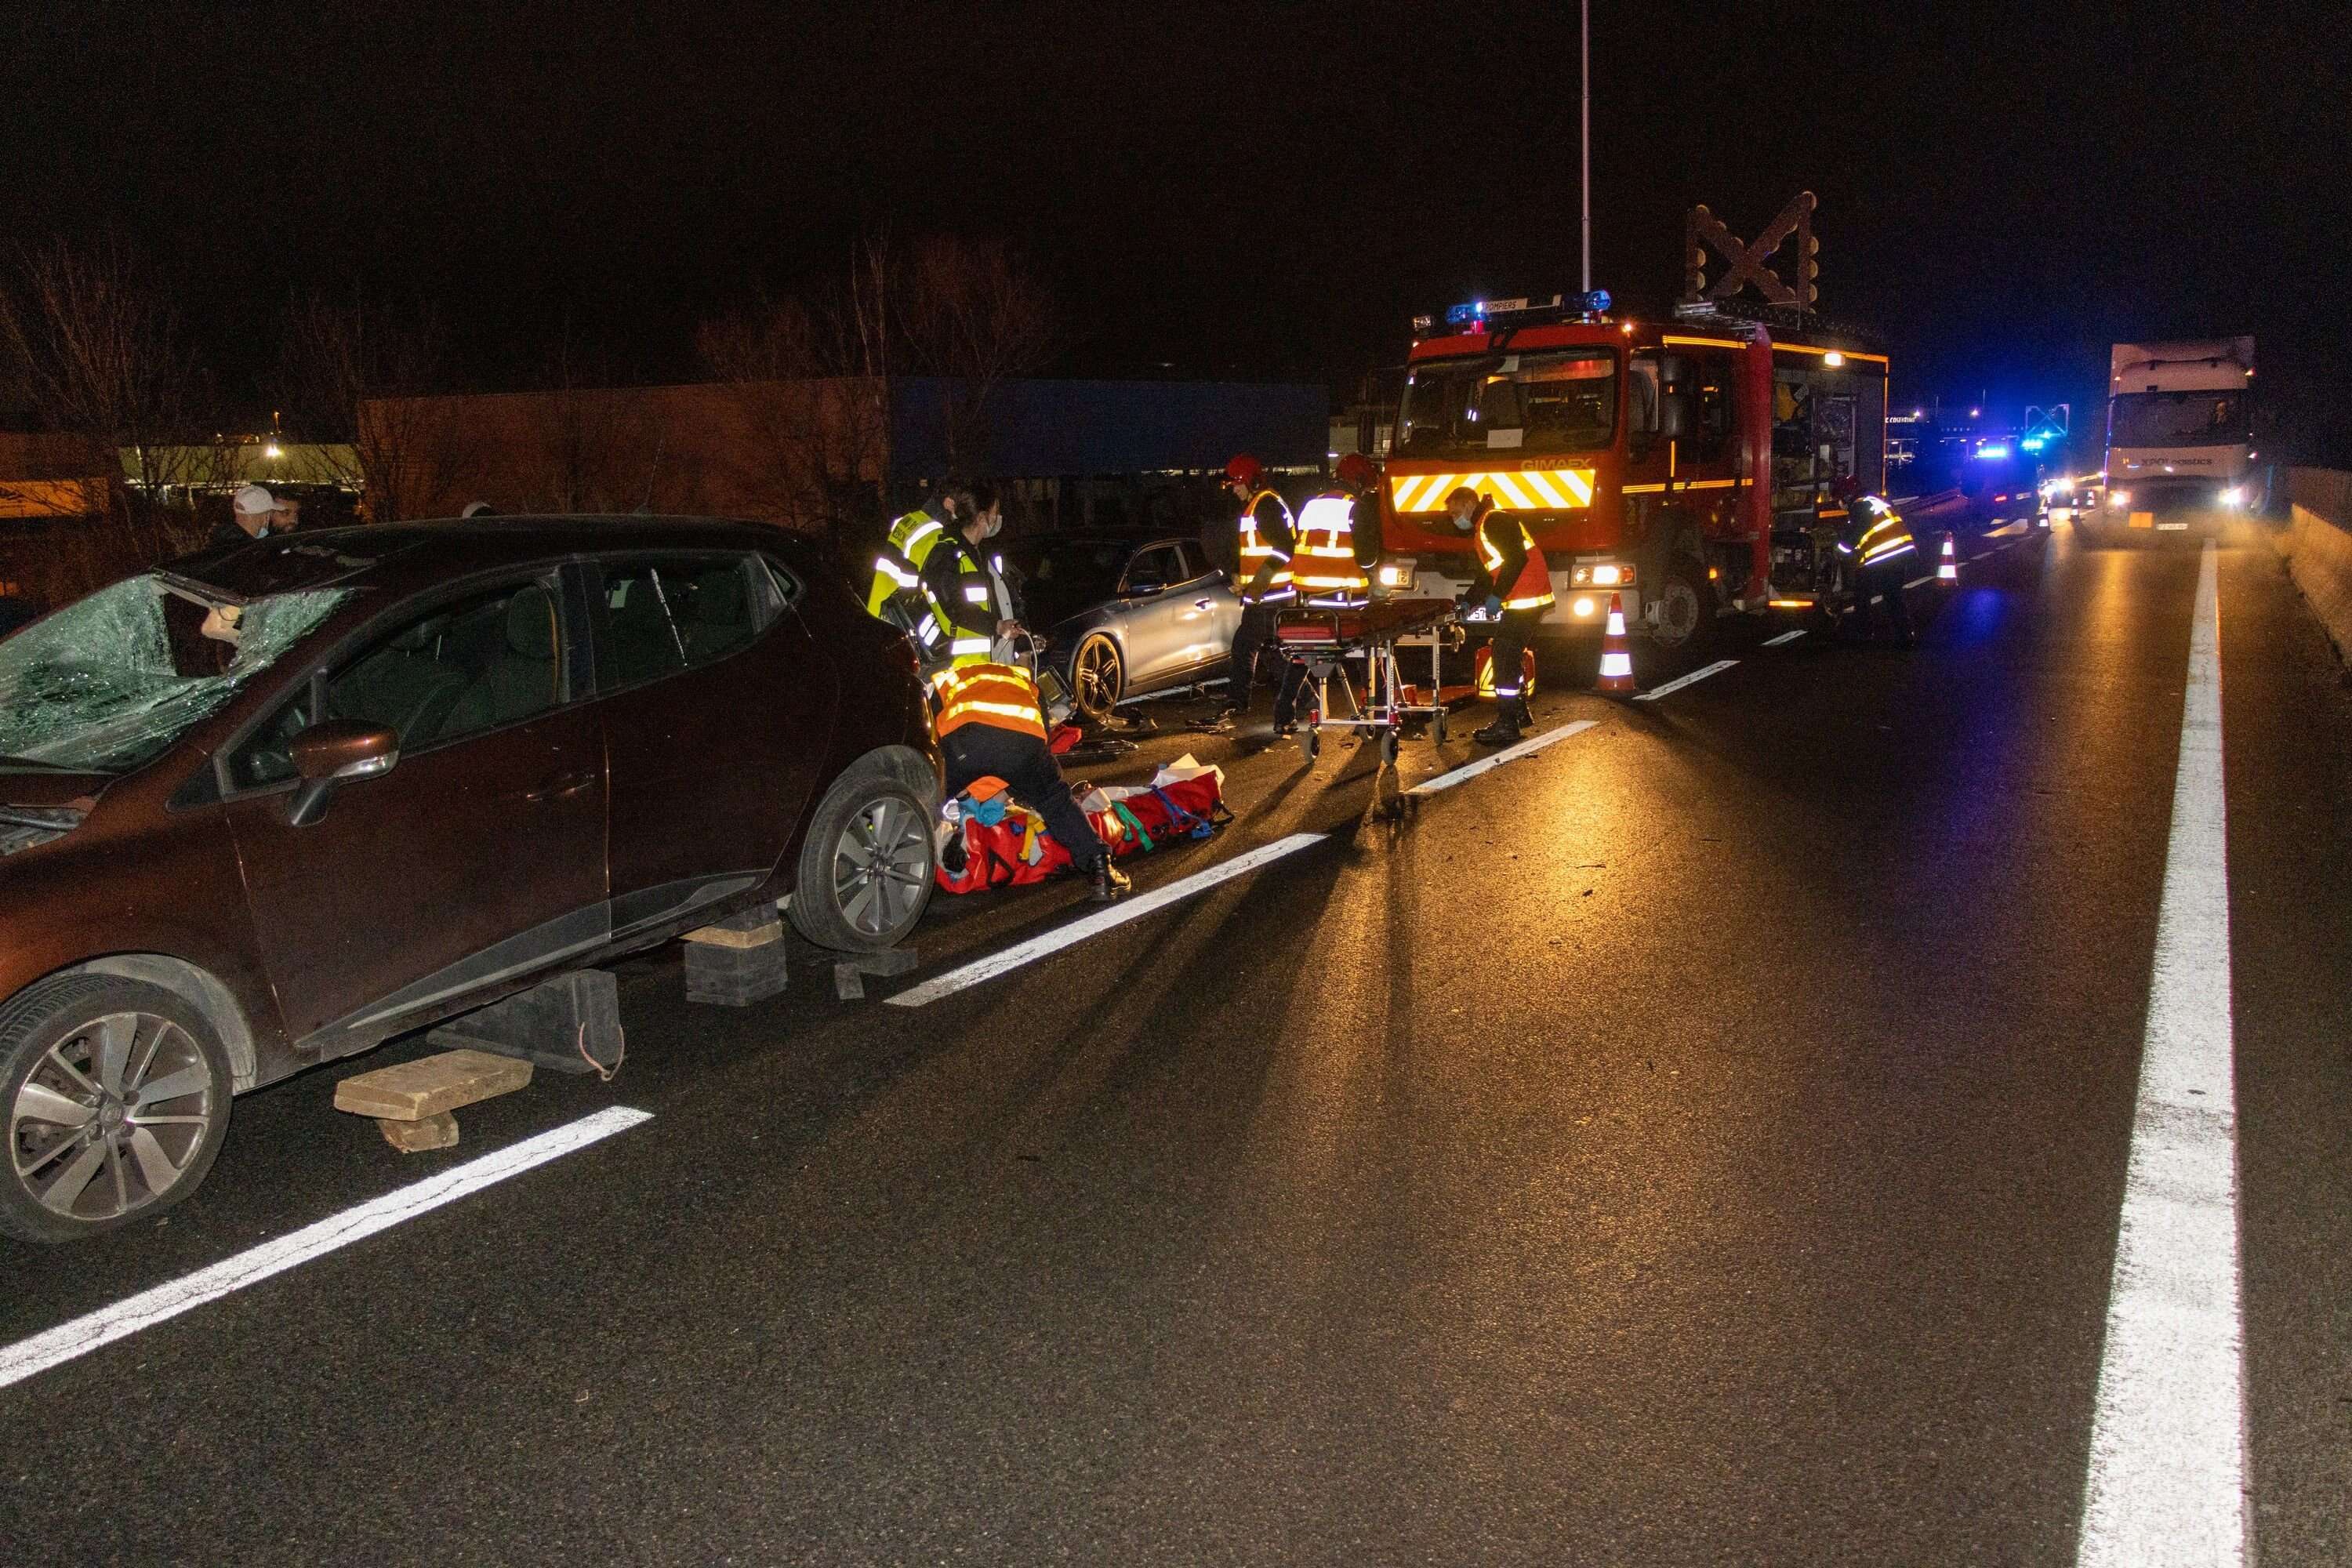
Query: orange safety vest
point(1532, 591)
point(1325, 568)
point(1002, 695)
point(1257, 552)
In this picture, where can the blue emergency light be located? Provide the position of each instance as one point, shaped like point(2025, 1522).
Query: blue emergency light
point(1993, 449)
point(1475, 314)
point(2033, 443)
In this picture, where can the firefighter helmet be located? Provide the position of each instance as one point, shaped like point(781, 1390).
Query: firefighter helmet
point(1243, 470)
point(1355, 469)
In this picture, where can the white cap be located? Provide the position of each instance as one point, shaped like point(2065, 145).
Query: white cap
point(253, 498)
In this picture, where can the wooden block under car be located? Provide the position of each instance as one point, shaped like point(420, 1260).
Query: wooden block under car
point(740, 933)
point(438, 1131)
point(411, 1091)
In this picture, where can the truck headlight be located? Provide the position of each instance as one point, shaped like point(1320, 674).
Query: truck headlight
point(2234, 496)
point(2119, 497)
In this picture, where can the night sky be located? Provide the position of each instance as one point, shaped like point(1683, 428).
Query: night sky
point(1259, 191)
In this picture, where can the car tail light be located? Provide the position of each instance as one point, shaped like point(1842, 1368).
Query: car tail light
point(24, 826)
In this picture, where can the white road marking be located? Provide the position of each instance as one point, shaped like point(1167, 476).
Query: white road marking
point(1118, 914)
point(2167, 1465)
point(1469, 771)
point(1913, 584)
point(104, 1326)
point(1784, 638)
point(1693, 678)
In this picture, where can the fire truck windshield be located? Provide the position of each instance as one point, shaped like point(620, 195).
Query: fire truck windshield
point(1549, 402)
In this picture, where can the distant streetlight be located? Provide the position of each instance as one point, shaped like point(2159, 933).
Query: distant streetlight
point(271, 452)
point(1974, 412)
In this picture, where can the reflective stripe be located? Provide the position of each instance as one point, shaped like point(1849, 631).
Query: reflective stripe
point(928, 628)
point(975, 593)
point(1514, 490)
point(999, 695)
point(969, 644)
point(1536, 601)
point(928, 526)
point(891, 569)
point(1886, 551)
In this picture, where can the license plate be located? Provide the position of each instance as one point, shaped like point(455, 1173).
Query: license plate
point(2143, 520)
point(2172, 528)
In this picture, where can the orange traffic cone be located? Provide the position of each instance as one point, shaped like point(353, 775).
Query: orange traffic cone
point(1616, 658)
point(1948, 570)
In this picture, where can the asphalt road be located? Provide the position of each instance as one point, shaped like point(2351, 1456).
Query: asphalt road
point(1700, 1142)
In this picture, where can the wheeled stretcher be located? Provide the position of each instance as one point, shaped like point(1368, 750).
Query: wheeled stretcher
point(1325, 640)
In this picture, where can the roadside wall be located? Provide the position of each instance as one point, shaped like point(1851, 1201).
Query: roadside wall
point(2318, 544)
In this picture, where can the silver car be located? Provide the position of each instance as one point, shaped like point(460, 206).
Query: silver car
point(1124, 614)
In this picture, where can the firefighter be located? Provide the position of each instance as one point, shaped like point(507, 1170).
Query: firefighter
point(990, 721)
point(1878, 548)
point(1267, 544)
point(896, 594)
point(1513, 582)
point(1330, 569)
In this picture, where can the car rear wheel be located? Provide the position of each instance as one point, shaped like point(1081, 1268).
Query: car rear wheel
point(117, 1098)
point(1097, 678)
point(866, 865)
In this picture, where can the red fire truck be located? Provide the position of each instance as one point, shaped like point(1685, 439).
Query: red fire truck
point(1686, 464)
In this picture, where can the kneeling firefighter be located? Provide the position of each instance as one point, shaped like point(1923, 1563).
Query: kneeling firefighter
point(1878, 548)
point(1514, 583)
point(990, 721)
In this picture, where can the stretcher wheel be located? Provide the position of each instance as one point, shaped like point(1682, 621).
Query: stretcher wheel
point(1437, 726)
point(1389, 747)
point(1309, 742)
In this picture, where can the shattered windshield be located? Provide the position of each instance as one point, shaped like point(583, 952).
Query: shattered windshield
point(107, 683)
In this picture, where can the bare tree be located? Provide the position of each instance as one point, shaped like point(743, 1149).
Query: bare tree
point(95, 349)
point(810, 380)
point(356, 381)
point(975, 313)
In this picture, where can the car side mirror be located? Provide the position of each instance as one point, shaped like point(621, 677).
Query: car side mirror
point(334, 753)
point(1146, 588)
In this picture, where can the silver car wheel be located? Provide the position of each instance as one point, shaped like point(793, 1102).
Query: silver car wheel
point(1096, 680)
point(112, 1117)
point(881, 865)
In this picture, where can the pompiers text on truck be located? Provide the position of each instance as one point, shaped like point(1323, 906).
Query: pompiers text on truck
point(1685, 465)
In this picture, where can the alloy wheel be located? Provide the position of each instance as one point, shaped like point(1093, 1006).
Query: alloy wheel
point(111, 1116)
point(1095, 676)
point(880, 866)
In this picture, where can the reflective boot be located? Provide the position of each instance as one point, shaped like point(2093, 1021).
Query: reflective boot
point(1111, 884)
point(1504, 730)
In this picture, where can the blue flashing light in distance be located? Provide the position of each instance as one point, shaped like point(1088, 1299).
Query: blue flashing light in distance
point(1994, 450)
point(2033, 443)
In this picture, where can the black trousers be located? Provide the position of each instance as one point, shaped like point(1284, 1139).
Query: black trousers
point(1885, 577)
point(1256, 631)
point(1033, 775)
point(1510, 647)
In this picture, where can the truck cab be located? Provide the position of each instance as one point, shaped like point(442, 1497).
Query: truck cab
point(1681, 465)
point(2179, 449)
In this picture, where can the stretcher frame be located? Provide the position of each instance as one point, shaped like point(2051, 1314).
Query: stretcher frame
point(1385, 704)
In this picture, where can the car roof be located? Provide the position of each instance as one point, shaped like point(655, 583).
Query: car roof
point(388, 553)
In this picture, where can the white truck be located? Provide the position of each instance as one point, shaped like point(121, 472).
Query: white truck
point(2180, 448)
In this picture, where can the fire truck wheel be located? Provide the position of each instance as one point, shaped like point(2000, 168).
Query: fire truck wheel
point(1685, 603)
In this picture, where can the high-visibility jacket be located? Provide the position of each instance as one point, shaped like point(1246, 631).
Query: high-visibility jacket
point(966, 596)
point(1510, 565)
point(1874, 532)
point(1324, 568)
point(1270, 538)
point(898, 575)
point(1001, 696)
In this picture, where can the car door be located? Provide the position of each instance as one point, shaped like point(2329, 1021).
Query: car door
point(718, 709)
point(1208, 612)
point(480, 855)
point(1149, 610)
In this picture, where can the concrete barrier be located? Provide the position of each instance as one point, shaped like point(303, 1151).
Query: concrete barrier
point(2318, 546)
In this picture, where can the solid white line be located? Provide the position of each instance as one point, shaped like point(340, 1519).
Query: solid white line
point(1135, 908)
point(1784, 638)
point(1469, 771)
point(2167, 1464)
point(1693, 678)
point(104, 1326)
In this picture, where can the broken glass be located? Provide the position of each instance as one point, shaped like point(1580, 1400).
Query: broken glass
point(110, 681)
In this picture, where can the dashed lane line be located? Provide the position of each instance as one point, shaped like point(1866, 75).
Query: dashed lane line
point(251, 1267)
point(1528, 747)
point(965, 977)
point(1693, 678)
point(1784, 638)
point(2167, 1464)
